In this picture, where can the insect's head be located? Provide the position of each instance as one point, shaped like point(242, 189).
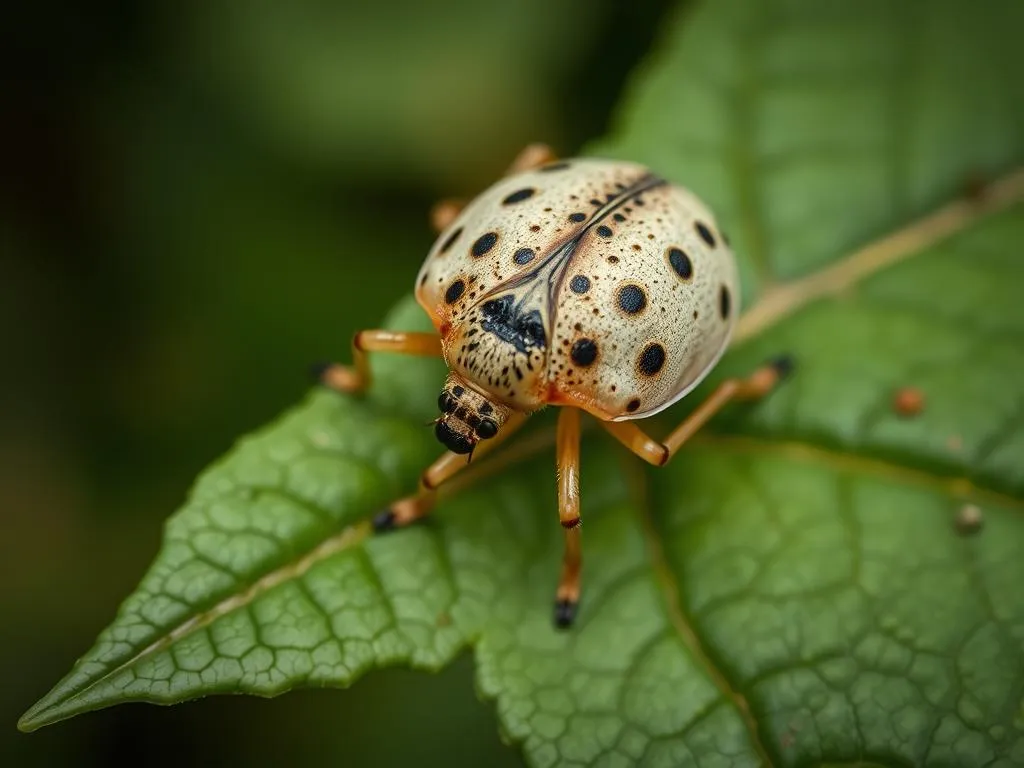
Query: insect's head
point(467, 417)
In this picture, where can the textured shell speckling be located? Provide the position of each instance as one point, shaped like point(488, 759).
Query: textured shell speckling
point(591, 283)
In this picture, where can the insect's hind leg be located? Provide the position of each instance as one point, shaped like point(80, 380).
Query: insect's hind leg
point(444, 212)
point(356, 378)
point(757, 385)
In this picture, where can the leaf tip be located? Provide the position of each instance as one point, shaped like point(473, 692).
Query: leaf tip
point(55, 706)
point(33, 719)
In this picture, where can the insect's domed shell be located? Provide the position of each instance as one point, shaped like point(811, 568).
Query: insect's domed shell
point(637, 307)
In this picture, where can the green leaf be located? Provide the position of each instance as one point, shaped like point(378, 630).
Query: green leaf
point(792, 589)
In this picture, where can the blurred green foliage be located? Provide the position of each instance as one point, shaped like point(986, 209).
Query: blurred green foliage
point(198, 199)
point(228, 189)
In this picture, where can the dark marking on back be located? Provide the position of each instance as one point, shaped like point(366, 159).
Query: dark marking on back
point(632, 299)
point(680, 263)
point(450, 241)
point(584, 352)
point(651, 359)
point(705, 234)
point(484, 243)
point(525, 331)
point(519, 196)
point(524, 256)
point(454, 291)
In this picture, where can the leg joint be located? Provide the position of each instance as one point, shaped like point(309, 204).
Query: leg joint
point(571, 523)
point(666, 454)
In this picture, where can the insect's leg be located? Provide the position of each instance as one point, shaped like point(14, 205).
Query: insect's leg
point(755, 386)
point(356, 378)
point(531, 156)
point(444, 212)
point(412, 508)
point(567, 456)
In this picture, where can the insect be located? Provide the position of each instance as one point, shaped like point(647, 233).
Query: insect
point(589, 284)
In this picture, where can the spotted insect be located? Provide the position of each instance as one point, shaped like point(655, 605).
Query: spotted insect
point(588, 284)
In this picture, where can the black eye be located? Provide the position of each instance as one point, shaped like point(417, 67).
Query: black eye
point(446, 403)
point(486, 429)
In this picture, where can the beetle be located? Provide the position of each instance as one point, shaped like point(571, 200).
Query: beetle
point(589, 284)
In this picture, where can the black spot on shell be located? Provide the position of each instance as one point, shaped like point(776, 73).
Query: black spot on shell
point(484, 243)
point(632, 299)
point(724, 302)
point(584, 352)
point(632, 405)
point(680, 263)
point(523, 256)
point(604, 231)
point(577, 217)
point(579, 284)
point(450, 241)
point(705, 233)
point(454, 292)
point(519, 196)
point(619, 217)
point(651, 359)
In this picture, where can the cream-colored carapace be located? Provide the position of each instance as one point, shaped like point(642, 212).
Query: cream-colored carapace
point(594, 285)
point(591, 283)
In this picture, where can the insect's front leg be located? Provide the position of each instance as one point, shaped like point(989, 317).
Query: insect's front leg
point(356, 378)
point(567, 456)
point(412, 508)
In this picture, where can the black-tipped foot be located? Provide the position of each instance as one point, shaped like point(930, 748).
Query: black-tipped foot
point(783, 365)
point(565, 613)
point(317, 370)
point(384, 521)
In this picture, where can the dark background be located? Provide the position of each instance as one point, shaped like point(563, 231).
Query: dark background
point(197, 199)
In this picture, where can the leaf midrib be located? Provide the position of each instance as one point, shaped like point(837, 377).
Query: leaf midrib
point(783, 299)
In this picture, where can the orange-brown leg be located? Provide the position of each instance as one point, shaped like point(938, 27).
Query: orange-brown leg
point(444, 212)
point(567, 457)
point(755, 386)
point(412, 508)
point(531, 156)
point(356, 378)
